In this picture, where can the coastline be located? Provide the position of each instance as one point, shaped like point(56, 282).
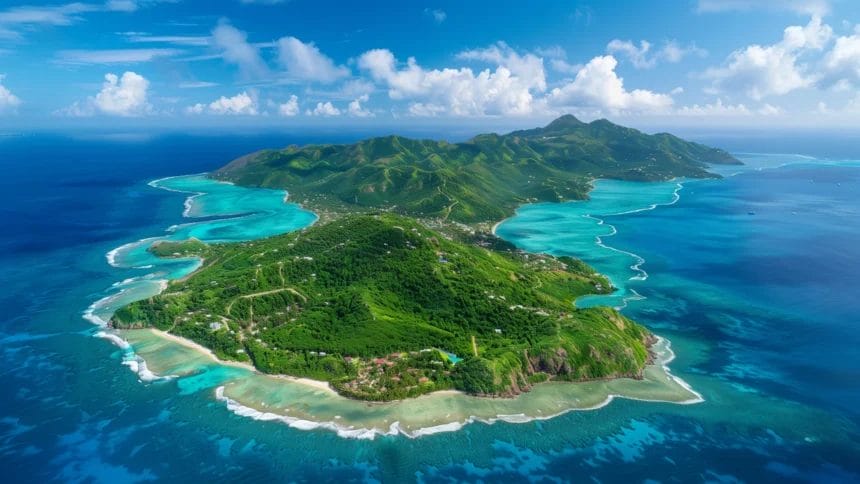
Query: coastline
point(500, 222)
point(657, 362)
point(314, 404)
point(319, 385)
point(591, 186)
point(271, 398)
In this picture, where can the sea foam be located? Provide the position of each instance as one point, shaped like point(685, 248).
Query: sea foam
point(130, 359)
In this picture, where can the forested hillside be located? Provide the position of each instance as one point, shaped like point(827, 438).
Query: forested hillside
point(374, 304)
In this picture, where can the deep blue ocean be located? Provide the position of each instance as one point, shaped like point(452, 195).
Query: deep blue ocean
point(754, 278)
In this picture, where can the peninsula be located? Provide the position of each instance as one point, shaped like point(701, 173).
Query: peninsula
point(481, 180)
point(402, 290)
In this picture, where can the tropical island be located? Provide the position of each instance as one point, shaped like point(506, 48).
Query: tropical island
point(402, 289)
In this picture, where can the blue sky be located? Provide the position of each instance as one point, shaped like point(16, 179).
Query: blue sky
point(186, 63)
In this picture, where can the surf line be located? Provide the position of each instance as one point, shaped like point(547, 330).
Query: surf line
point(130, 359)
point(598, 239)
point(664, 354)
point(641, 274)
point(189, 201)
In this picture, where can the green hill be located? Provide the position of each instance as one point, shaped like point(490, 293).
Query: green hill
point(481, 180)
point(374, 304)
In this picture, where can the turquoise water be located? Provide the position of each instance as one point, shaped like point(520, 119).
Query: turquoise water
point(759, 308)
point(453, 358)
point(217, 212)
point(579, 229)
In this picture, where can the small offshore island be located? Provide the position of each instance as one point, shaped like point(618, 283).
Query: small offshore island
point(402, 288)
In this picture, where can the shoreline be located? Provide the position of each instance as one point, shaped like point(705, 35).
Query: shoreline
point(323, 385)
point(411, 428)
point(318, 384)
point(591, 186)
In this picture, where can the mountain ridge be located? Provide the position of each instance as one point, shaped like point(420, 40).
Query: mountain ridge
point(483, 179)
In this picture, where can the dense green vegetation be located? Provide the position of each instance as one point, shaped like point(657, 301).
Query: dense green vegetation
point(182, 248)
point(481, 180)
point(370, 303)
point(374, 303)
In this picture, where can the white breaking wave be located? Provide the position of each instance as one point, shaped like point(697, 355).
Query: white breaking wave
point(676, 195)
point(664, 363)
point(114, 338)
point(111, 256)
point(300, 424)
point(598, 239)
point(130, 359)
point(189, 202)
point(157, 183)
point(138, 365)
point(636, 267)
point(90, 314)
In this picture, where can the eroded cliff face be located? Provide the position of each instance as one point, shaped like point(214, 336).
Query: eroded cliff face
point(559, 365)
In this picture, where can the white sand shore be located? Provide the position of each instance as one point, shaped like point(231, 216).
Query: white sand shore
point(321, 385)
point(200, 348)
point(493, 230)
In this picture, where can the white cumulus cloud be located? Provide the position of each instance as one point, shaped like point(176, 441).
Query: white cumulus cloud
point(772, 70)
point(638, 55)
point(597, 85)
point(240, 104)
point(717, 108)
point(527, 67)
point(8, 101)
point(304, 61)
point(461, 91)
point(325, 109)
point(356, 109)
point(123, 96)
point(842, 63)
point(289, 108)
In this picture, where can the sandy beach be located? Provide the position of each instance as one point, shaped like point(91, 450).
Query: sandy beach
point(496, 225)
point(321, 385)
